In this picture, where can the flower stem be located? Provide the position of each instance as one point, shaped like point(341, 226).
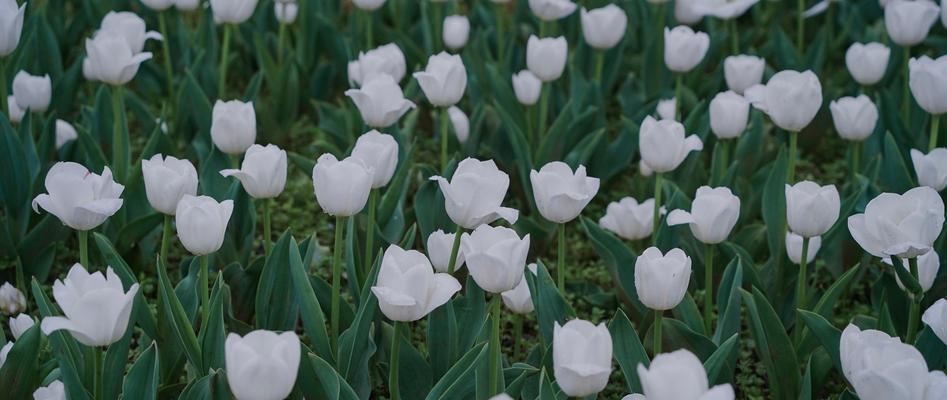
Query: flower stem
point(791, 167)
point(801, 287)
point(280, 43)
point(370, 233)
point(501, 33)
point(267, 245)
point(856, 158)
point(454, 249)
point(734, 36)
point(119, 147)
point(205, 302)
point(495, 347)
point(369, 36)
point(336, 283)
point(800, 24)
point(438, 22)
point(678, 108)
point(21, 278)
point(3, 88)
point(656, 332)
point(99, 384)
point(561, 259)
point(393, 390)
point(906, 89)
point(935, 129)
point(166, 49)
point(517, 334)
point(724, 159)
point(915, 311)
point(709, 288)
point(530, 135)
point(543, 109)
point(599, 65)
point(445, 137)
point(656, 216)
point(224, 54)
point(165, 239)
point(84, 248)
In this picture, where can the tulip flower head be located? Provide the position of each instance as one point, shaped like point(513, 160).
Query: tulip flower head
point(561, 194)
point(928, 82)
point(663, 145)
point(684, 48)
point(743, 72)
point(129, 26)
point(546, 58)
point(341, 186)
point(790, 98)
point(604, 27)
point(473, 195)
point(167, 180)
point(16, 113)
point(936, 318)
point(661, 279)
point(369, 5)
point(110, 59)
point(232, 11)
point(686, 12)
point(263, 172)
point(54, 391)
point(881, 367)
point(582, 357)
point(439, 247)
point(12, 300)
point(286, 12)
point(32, 92)
point(495, 256)
point(460, 123)
point(456, 31)
point(527, 87)
point(407, 288)
point(387, 59)
point(931, 168)
point(551, 10)
point(908, 22)
point(20, 325)
point(713, 214)
point(444, 80)
point(11, 26)
point(899, 225)
point(729, 113)
point(233, 126)
point(725, 9)
point(65, 133)
point(96, 307)
point(518, 299)
point(262, 365)
point(679, 375)
point(667, 109)
point(854, 117)
point(811, 209)
point(867, 62)
point(629, 219)
point(202, 223)
point(80, 199)
point(380, 100)
point(158, 5)
point(379, 152)
point(794, 247)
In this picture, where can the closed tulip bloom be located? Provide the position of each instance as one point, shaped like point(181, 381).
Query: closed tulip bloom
point(379, 152)
point(527, 87)
point(725, 9)
point(927, 267)
point(387, 59)
point(495, 256)
point(11, 26)
point(667, 109)
point(65, 133)
point(32, 92)
point(263, 172)
point(233, 126)
point(96, 307)
point(129, 26)
point(369, 5)
point(439, 247)
point(794, 247)
point(661, 279)
point(408, 288)
point(679, 375)
point(12, 300)
point(444, 80)
point(80, 199)
point(928, 81)
point(16, 113)
point(743, 72)
point(286, 11)
point(456, 31)
point(551, 10)
point(908, 22)
point(167, 180)
point(473, 195)
point(341, 186)
point(460, 123)
point(202, 223)
point(561, 194)
point(713, 214)
point(581, 357)
point(380, 101)
point(158, 5)
point(262, 365)
point(644, 169)
point(187, 5)
point(854, 117)
point(899, 225)
point(604, 27)
point(790, 98)
point(20, 324)
point(501, 396)
point(931, 169)
point(936, 318)
point(232, 11)
point(110, 59)
point(867, 62)
point(629, 219)
point(546, 58)
point(684, 48)
point(55, 391)
point(518, 299)
point(663, 145)
point(881, 367)
point(729, 113)
point(811, 209)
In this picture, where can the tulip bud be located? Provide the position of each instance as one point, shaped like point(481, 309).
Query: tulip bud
point(12, 300)
point(628, 219)
point(341, 186)
point(634, 396)
point(881, 367)
point(495, 256)
point(663, 145)
point(64, 133)
point(790, 98)
point(286, 11)
point(661, 279)
point(444, 80)
point(551, 10)
point(32, 92)
point(527, 86)
point(232, 11)
point(519, 300)
point(928, 81)
point(927, 267)
point(11, 25)
point(501, 396)
point(811, 209)
point(474, 194)
point(686, 12)
point(233, 126)
point(387, 59)
point(202, 223)
point(667, 109)
point(729, 113)
point(378, 152)
point(546, 58)
point(936, 318)
point(854, 117)
point(167, 180)
point(439, 247)
point(908, 22)
point(186, 5)
point(684, 48)
point(743, 72)
point(80, 199)
point(561, 194)
point(110, 59)
point(263, 172)
point(931, 169)
point(725, 10)
point(407, 288)
point(262, 365)
point(380, 101)
point(644, 169)
point(20, 324)
point(130, 27)
point(16, 113)
point(581, 357)
point(158, 5)
point(4, 351)
point(679, 375)
point(899, 225)
point(604, 27)
point(713, 214)
point(867, 62)
point(369, 5)
point(55, 391)
point(456, 31)
point(794, 247)
point(460, 122)
point(96, 307)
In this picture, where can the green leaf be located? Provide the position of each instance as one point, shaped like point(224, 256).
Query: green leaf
point(276, 306)
point(142, 379)
point(116, 356)
point(628, 350)
point(335, 387)
point(895, 175)
point(180, 324)
point(721, 364)
point(773, 346)
point(774, 205)
point(551, 308)
point(729, 302)
point(619, 259)
point(458, 379)
point(65, 348)
point(827, 334)
point(212, 386)
point(213, 335)
point(20, 374)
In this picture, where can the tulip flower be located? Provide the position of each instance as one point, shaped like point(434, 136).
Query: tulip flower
point(867, 62)
point(908, 22)
point(629, 219)
point(439, 246)
point(387, 59)
point(811, 209)
point(368, 5)
point(582, 357)
point(667, 109)
point(110, 59)
point(286, 11)
point(232, 11)
point(927, 267)
point(604, 27)
point(54, 391)
point(32, 92)
point(233, 126)
point(725, 9)
point(65, 133)
point(186, 5)
point(456, 31)
point(927, 85)
point(854, 117)
point(407, 288)
point(551, 10)
point(129, 26)
point(167, 180)
point(341, 186)
point(663, 145)
point(158, 5)
point(661, 281)
point(380, 101)
point(546, 58)
point(526, 86)
point(879, 367)
point(11, 25)
point(899, 225)
point(684, 48)
point(20, 324)
point(262, 365)
point(12, 300)
point(444, 80)
point(495, 257)
point(460, 123)
point(936, 318)
point(679, 375)
point(794, 247)
point(16, 113)
point(501, 396)
point(201, 225)
point(931, 169)
point(96, 307)
point(263, 172)
point(518, 299)
point(379, 152)
point(729, 113)
point(743, 72)
point(686, 12)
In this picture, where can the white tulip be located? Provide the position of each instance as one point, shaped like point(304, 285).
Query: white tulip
point(202, 223)
point(408, 288)
point(32, 92)
point(899, 225)
point(725, 9)
point(341, 186)
point(11, 26)
point(460, 122)
point(667, 109)
point(518, 299)
point(233, 126)
point(908, 22)
point(867, 62)
point(16, 113)
point(581, 357)
point(187, 5)
point(928, 82)
point(561, 194)
point(65, 133)
point(55, 391)
point(713, 214)
point(262, 365)
point(167, 180)
point(743, 72)
point(158, 5)
point(936, 317)
point(790, 98)
point(379, 152)
point(80, 199)
point(12, 300)
point(473, 195)
point(881, 367)
point(129, 26)
point(439, 247)
point(927, 267)
point(546, 58)
point(443, 80)
point(369, 5)
point(811, 209)
point(604, 27)
point(232, 11)
point(387, 59)
point(263, 172)
point(661, 279)
point(931, 169)
point(854, 117)
point(644, 169)
point(794, 247)
point(456, 31)
point(110, 59)
point(501, 396)
point(551, 10)
point(4, 351)
point(679, 375)
point(684, 48)
point(96, 307)
point(286, 12)
point(729, 113)
point(628, 219)
point(380, 101)
point(687, 11)
point(527, 87)
point(663, 145)
point(20, 325)
point(495, 256)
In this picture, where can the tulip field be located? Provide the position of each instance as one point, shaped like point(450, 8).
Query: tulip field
point(473, 199)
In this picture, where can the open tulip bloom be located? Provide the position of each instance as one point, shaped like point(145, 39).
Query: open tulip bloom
point(263, 176)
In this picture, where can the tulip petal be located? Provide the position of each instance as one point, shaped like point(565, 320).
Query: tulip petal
point(680, 217)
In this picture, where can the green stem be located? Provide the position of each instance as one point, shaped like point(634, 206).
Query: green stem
point(856, 158)
point(84, 249)
point(119, 147)
point(906, 88)
point(165, 239)
point(656, 216)
point(267, 245)
point(166, 49)
point(915, 311)
point(724, 159)
point(393, 390)
point(709, 288)
point(495, 347)
point(445, 138)
point(501, 34)
point(205, 302)
point(935, 129)
point(791, 167)
point(561, 260)
point(438, 23)
point(3, 87)
point(281, 43)
point(369, 35)
point(517, 334)
point(530, 135)
point(543, 109)
point(678, 106)
point(734, 36)
point(454, 249)
point(224, 55)
point(99, 383)
point(370, 233)
point(336, 283)
point(599, 65)
point(800, 25)
point(21, 278)
point(542, 29)
point(801, 286)
point(656, 332)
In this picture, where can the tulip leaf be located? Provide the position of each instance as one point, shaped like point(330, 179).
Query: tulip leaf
point(355, 344)
point(212, 334)
point(14, 176)
point(551, 308)
point(721, 364)
point(829, 298)
point(827, 334)
point(774, 205)
point(679, 334)
point(442, 338)
point(932, 348)
point(415, 373)
point(471, 310)
point(458, 381)
point(20, 374)
point(895, 175)
point(276, 306)
point(521, 150)
point(619, 258)
point(334, 385)
point(142, 379)
point(548, 389)
point(116, 356)
point(314, 321)
point(729, 302)
point(773, 346)
point(180, 323)
point(628, 350)
point(212, 386)
point(65, 348)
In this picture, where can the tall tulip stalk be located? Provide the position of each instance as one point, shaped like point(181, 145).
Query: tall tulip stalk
point(683, 50)
point(603, 28)
point(263, 176)
point(167, 180)
point(444, 82)
point(379, 152)
point(661, 282)
point(927, 81)
point(12, 23)
point(229, 13)
point(202, 223)
point(546, 58)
